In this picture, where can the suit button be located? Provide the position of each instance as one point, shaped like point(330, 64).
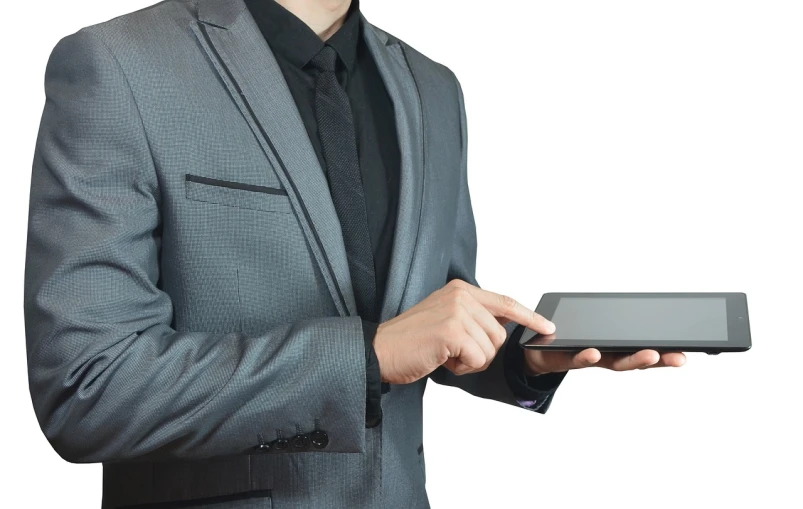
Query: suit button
point(319, 439)
point(300, 441)
point(281, 444)
point(262, 448)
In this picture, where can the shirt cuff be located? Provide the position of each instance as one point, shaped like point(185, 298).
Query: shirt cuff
point(532, 392)
point(374, 388)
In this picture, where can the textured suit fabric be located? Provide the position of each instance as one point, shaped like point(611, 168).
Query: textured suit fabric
point(171, 319)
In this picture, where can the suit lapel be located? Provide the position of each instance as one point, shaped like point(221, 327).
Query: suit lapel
point(403, 91)
point(245, 63)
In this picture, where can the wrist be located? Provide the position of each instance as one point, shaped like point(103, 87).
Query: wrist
point(379, 351)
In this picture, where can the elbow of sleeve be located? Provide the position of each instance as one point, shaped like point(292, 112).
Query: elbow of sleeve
point(70, 443)
point(66, 407)
point(71, 451)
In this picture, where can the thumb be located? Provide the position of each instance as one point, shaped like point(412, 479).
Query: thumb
point(546, 361)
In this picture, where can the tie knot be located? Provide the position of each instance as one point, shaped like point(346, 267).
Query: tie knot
point(326, 59)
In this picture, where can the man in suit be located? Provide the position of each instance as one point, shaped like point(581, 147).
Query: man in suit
point(250, 244)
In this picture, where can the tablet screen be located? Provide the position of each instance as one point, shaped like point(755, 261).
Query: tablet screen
point(638, 319)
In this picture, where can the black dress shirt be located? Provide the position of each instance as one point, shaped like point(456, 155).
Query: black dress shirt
point(294, 44)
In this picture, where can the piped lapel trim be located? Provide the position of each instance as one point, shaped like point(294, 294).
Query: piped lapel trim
point(401, 85)
point(248, 68)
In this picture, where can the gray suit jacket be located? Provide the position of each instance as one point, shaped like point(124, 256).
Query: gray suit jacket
point(171, 319)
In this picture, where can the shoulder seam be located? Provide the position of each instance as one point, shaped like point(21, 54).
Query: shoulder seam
point(106, 47)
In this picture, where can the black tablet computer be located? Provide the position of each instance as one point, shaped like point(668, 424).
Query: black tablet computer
point(627, 322)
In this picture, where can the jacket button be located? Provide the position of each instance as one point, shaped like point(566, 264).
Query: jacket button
point(319, 439)
point(300, 441)
point(281, 444)
point(262, 447)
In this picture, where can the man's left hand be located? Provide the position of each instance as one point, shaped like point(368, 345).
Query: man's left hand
point(539, 362)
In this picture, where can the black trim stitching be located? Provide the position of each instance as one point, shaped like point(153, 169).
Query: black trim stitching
point(239, 300)
point(423, 172)
point(234, 185)
point(281, 163)
point(177, 504)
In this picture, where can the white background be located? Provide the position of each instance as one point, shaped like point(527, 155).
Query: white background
point(615, 146)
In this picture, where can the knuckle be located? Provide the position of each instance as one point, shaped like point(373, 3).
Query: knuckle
point(460, 294)
point(442, 354)
point(508, 302)
point(456, 283)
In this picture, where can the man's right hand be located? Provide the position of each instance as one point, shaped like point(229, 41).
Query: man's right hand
point(458, 326)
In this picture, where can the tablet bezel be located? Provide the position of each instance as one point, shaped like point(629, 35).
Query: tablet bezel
point(738, 323)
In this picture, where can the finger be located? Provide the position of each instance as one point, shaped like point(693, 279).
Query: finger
point(670, 360)
point(586, 358)
point(542, 361)
point(480, 337)
point(459, 367)
point(508, 307)
point(494, 331)
point(455, 366)
point(627, 362)
point(469, 352)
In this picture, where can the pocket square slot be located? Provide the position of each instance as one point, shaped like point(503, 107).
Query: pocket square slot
point(237, 194)
point(235, 185)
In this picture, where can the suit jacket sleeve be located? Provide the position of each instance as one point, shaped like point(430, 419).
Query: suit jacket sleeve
point(109, 377)
point(504, 379)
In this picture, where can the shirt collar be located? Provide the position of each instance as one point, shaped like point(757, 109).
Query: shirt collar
point(292, 39)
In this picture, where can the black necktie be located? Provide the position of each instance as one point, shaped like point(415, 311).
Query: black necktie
point(339, 143)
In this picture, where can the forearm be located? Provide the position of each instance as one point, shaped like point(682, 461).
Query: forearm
point(114, 395)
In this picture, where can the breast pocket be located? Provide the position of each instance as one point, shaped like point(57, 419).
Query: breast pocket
point(258, 499)
point(237, 194)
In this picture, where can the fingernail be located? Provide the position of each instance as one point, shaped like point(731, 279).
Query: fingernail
point(550, 327)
